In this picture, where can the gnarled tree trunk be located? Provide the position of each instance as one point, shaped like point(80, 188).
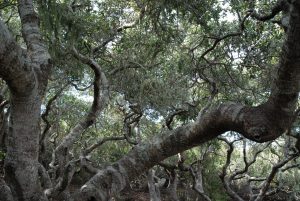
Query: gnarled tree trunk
point(26, 73)
point(21, 161)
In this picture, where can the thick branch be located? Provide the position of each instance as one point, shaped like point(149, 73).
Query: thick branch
point(211, 124)
point(262, 123)
point(100, 100)
point(279, 6)
point(153, 188)
point(144, 156)
point(172, 189)
point(13, 66)
point(60, 155)
point(287, 84)
point(45, 178)
point(63, 181)
point(198, 181)
point(31, 33)
point(30, 25)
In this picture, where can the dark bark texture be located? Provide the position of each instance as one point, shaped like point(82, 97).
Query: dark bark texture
point(26, 73)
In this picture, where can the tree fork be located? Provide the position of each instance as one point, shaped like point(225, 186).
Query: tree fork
point(26, 73)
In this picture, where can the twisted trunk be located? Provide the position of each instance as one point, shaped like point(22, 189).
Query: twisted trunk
point(21, 161)
point(26, 73)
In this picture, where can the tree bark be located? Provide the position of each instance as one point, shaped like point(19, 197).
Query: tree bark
point(21, 161)
point(26, 73)
point(5, 192)
point(172, 189)
point(154, 191)
point(13, 69)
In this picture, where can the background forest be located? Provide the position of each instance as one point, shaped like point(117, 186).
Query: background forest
point(161, 63)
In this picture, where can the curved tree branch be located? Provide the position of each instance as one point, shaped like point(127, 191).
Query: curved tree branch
point(225, 180)
point(198, 180)
point(262, 123)
point(121, 29)
point(45, 114)
point(219, 39)
point(64, 180)
point(171, 116)
point(101, 93)
point(247, 163)
point(45, 178)
point(277, 8)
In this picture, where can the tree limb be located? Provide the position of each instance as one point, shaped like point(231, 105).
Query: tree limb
point(278, 7)
point(30, 24)
point(45, 178)
point(171, 116)
point(198, 180)
point(63, 181)
point(45, 114)
point(275, 169)
point(14, 68)
point(101, 93)
point(60, 154)
point(37, 50)
point(100, 142)
point(225, 180)
point(262, 123)
point(219, 39)
point(5, 192)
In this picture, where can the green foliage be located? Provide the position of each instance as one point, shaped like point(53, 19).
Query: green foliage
point(159, 65)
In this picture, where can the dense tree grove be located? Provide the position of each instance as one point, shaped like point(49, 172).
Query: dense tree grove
point(149, 100)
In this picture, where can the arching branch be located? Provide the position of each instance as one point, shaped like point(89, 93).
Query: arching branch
point(262, 123)
point(101, 93)
point(60, 155)
point(219, 39)
point(277, 8)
